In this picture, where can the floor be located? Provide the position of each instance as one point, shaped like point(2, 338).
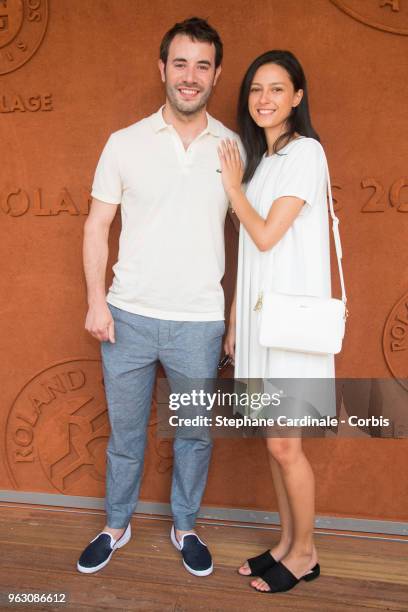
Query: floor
point(40, 548)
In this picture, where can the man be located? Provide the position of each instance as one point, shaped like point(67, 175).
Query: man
point(166, 303)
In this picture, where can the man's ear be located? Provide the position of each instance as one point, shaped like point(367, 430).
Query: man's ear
point(162, 68)
point(217, 74)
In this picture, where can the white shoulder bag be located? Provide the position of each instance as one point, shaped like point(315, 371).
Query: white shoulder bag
point(305, 323)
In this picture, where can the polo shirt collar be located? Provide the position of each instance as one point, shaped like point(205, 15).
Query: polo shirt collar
point(213, 127)
point(159, 123)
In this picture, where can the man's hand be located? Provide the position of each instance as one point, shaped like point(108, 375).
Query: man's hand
point(99, 322)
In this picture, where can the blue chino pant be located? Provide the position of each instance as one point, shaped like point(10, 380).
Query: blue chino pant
point(186, 350)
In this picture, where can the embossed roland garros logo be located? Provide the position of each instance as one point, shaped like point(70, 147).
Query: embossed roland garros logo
point(395, 341)
point(22, 28)
point(386, 15)
point(57, 430)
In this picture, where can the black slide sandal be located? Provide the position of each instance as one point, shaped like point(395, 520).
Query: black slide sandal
point(259, 564)
point(280, 579)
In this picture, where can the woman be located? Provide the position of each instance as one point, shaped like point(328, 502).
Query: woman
point(284, 245)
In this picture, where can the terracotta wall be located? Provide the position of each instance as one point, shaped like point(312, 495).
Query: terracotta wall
point(73, 71)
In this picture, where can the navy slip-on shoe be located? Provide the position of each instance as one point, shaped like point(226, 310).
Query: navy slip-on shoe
point(196, 556)
point(100, 550)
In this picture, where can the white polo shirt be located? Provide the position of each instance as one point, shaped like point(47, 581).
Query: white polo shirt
point(173, 207)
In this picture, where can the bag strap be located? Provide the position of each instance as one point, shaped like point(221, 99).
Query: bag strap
point(336, 236)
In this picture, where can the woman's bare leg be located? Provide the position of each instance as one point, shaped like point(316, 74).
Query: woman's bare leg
point(282, 547)
point(298, 481)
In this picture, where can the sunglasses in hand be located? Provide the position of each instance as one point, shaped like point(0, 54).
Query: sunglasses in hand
point(224, 362)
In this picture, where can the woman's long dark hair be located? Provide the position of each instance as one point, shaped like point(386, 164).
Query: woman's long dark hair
point(253, 136)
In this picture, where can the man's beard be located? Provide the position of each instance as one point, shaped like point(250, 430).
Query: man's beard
point(186, 107)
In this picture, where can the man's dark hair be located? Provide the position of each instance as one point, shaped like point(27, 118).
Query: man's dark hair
point(197, 29)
